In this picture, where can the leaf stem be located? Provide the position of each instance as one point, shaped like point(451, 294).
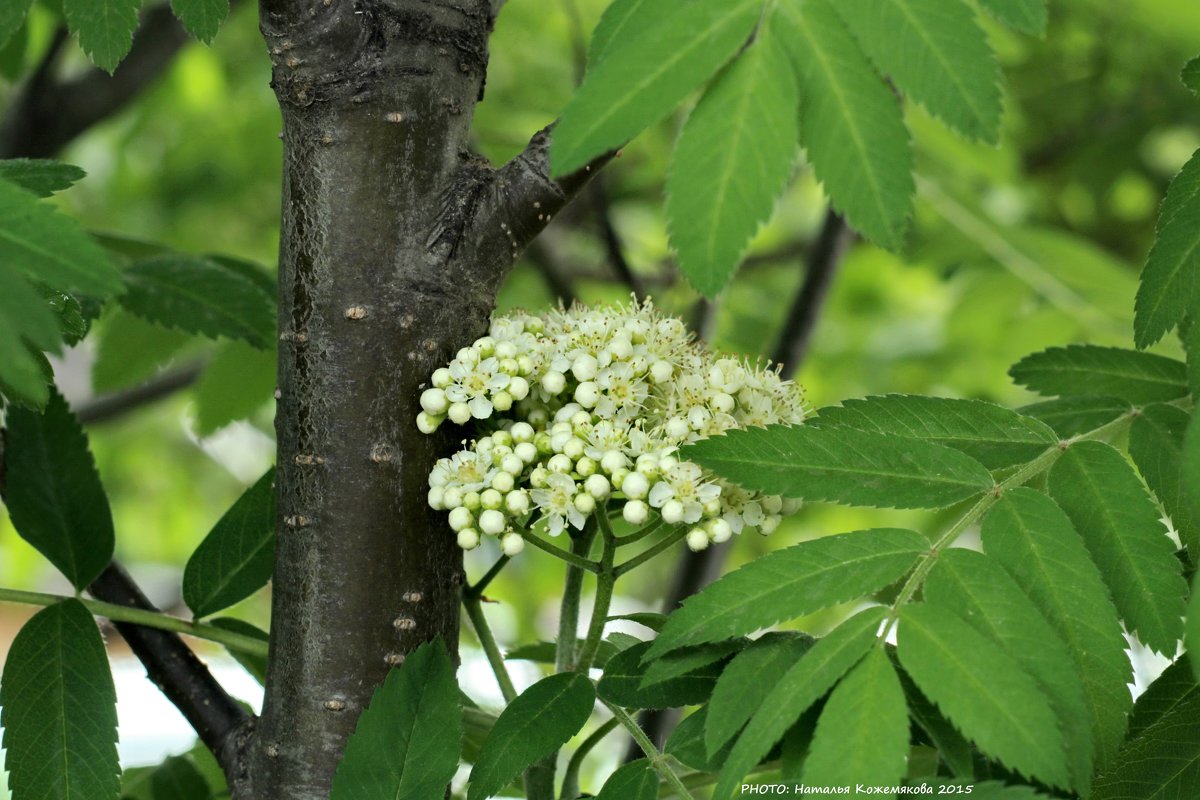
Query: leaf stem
point(666, 543)
point(150, 619)
point(1019, 478)
point(570, 784)
point(657, 759)
point(479, 622)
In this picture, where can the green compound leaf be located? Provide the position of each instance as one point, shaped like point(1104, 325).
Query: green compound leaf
point(547, 652)
point(623, 682)
point(129, 350)
point(202, 18)
point(1072, 416)
point(686, 744)
point(235, 560)
point(978, 590)
point(862, 735)
point(731, 164)
point(953, 748)
point(178, 779)
point(1084, 369)
point(689, 659)
point(664, 52)
point(1191, 75)
point(991, 434)
point(1027, 16)
point(844, 466)
point(40, 176)
point(790, 583)
point(50, 248)
point(1170, 286)
point(1120, 526)
point(58, 709)
point(988, 790)
point(54, 495)
point(12, 17)
point(636, 780)
point(200, 296)
point(1156, 444)
point(1191, 344)
point(1192, 635)
point(850, 122)
point(27, 327)
point(610, 27)
point(239, 380)
point(745, 683)
point(541, 720)
point(407, 742)
point(1161, 759)
point(983, 691)
point(104, 27)
point(1176, 685)
point(801, 686)
point(1034, 541)
point(937, 54)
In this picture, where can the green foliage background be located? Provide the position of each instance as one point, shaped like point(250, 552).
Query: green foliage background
point(1034, 242)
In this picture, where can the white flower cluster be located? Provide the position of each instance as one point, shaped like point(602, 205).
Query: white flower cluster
point(587, 408)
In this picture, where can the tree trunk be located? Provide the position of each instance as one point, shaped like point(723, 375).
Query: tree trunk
point(394, 242)
point(376, 289)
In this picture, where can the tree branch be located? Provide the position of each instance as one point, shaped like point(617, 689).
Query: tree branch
point(523, 199)
point(602, 206)
point(111, 406)
point(823, 262)
point(172, 666)
point(47, 114)
point(555, 276)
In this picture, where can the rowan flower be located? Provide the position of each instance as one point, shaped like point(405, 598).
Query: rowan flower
point(557, 502)
point(582, 411)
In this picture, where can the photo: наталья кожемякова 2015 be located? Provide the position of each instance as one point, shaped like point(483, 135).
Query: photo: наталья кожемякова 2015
point(791, 397)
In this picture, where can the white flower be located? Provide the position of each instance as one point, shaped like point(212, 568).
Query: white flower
point(584, 402)
point(557, 502)
point(683, 482)
point(466, 471)
point(473, 383)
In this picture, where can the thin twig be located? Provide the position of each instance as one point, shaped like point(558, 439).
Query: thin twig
point(47, 114)
point(546, 262)
point(613, 246)
point(827, 253)
point(111, 406)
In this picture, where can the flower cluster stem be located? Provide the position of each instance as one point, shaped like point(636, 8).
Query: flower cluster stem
point(568, 617)
point(665, 544)
point(483, 632)
point(606, 579)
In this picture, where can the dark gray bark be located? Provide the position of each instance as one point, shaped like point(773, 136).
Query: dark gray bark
point(394, 242)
